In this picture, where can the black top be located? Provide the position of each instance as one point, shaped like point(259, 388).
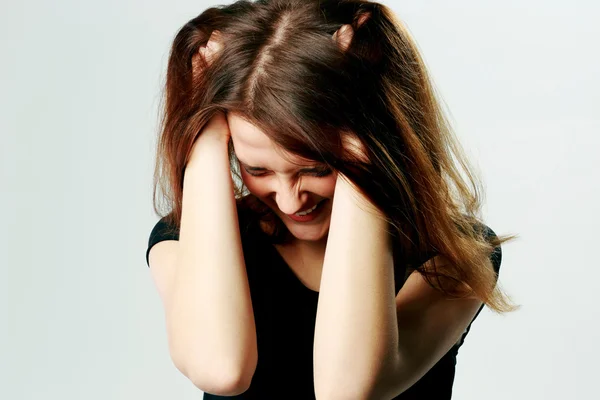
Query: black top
point(285, 314)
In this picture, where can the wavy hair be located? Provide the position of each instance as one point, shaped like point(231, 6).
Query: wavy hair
point(280, 69)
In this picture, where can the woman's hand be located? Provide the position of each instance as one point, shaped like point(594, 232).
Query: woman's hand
point(217, 127)
point(352, 145)
point(207, 54)
point(216, 130)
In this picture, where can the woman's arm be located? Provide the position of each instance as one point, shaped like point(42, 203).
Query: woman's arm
point(369, 342)
point(356, 324)
point(210, 320)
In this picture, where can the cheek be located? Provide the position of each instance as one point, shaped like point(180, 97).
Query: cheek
point(254, 185)
point(255, 188)
point(328, 187)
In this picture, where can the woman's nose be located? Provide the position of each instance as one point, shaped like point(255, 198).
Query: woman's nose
point(290, 201)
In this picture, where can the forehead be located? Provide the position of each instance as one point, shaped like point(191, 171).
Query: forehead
point(252, 146)
point(246, 134)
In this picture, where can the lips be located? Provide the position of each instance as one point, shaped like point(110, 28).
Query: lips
point(307, 208)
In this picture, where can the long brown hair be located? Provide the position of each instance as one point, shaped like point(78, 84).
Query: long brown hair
point(281, 70)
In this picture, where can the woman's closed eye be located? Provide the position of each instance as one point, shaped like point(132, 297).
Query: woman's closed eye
point(316, 172)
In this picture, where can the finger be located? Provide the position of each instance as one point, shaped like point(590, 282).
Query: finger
point(343, 36)
point(196, 62)
point(363, 18)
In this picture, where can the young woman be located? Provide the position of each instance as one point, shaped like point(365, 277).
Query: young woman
point(319, 239)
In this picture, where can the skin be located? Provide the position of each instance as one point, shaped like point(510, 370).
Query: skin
point(285, 187)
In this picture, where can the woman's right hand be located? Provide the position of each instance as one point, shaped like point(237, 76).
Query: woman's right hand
point(216, 130)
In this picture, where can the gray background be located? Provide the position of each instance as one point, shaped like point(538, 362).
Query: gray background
point(80, 83)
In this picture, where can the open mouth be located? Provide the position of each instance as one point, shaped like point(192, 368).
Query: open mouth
point(313, 208)
point(310, 214)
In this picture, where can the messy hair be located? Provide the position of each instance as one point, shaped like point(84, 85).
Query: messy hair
point(281, 70)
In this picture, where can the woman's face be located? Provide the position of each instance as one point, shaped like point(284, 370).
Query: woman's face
point(286, 188)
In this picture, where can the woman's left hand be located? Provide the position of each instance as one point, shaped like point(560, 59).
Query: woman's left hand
point(354, 146)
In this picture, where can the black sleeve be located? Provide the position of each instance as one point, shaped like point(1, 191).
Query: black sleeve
point(496, 256)
point(161, 231)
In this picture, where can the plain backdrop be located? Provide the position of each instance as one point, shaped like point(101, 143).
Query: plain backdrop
point(79, 95)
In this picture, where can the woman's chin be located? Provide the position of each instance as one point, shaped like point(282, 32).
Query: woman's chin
point(307, 236)
point(309, 233)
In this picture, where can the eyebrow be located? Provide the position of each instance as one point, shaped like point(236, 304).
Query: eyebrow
point(251, 168)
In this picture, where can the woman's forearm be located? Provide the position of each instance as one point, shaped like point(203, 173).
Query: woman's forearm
point(356, 331)
point(210, 321)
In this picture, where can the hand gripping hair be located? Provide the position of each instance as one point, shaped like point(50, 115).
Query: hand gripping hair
point(208, 52)
point(343, 36)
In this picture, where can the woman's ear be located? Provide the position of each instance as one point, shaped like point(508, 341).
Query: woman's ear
point(208, 52)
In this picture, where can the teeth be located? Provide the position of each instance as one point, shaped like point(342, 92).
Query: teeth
point(307, 211)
